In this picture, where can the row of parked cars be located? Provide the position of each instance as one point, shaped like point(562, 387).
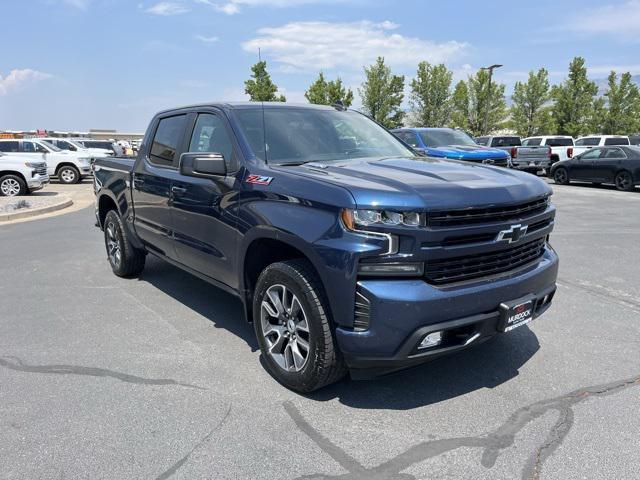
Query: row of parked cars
point(28, 164)
point(610, 159)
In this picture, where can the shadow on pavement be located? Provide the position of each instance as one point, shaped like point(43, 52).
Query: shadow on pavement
point(221, 308)
point(485, 366)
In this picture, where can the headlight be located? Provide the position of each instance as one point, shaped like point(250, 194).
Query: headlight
point(358, 219)
point(33, 165)
point(84, 160)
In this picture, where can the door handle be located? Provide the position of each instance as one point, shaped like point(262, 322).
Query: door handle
point(138, 182)
point(178, 190)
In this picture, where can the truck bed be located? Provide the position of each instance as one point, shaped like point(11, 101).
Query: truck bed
point(124, 164)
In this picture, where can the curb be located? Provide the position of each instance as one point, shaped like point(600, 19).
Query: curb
point(7, 217)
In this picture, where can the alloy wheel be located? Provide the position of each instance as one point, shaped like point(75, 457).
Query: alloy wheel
point(561, 176)
point(68, 176)
point(10, 187)
point(285, 328)
point(113, 245)
point(623, 181)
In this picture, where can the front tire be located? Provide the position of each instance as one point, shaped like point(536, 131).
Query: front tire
point(125, 260)
point(293, 328)
point(68, 175)
point(561, 176)
point(624, 181)
point(12, 186)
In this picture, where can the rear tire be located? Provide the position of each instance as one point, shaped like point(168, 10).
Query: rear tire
point(624, 181)
point(293, 328)
point(125, 260)
point(12, 186)
point(561, 176)
point(68, 175)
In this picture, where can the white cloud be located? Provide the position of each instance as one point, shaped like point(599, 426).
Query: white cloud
point(18, 78)
point(167, 8)
point(322, 45)
point(231, 7)
point(619, 20)
point(205, 39)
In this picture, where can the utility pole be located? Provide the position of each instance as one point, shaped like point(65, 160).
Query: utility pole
point(487, 101)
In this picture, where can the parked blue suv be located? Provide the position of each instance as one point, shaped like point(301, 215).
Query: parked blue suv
point(451, 143)
point(348, 250)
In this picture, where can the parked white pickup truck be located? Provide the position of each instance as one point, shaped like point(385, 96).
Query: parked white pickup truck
point(583, 144)
point(18, 177)
point(532, 159)
point(561, 146)
point(69, 167)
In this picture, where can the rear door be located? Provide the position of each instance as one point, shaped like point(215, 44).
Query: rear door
point(205, 209)
point(606, 165)
point(153, 177)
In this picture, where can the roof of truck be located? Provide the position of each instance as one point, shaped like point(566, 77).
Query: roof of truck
point(241, 105)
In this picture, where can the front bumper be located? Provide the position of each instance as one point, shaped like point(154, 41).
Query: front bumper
point(37, 182)
point(404, 311)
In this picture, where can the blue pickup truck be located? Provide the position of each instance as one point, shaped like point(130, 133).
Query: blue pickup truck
point(348, 251)
point(451, 143)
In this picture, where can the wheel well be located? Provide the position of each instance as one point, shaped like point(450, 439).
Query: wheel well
point(260, 254)
point(105, 205)
point(10, 172)
point(554, 157)
point(66, 164)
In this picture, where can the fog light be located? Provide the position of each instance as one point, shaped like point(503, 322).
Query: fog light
point(432, 340)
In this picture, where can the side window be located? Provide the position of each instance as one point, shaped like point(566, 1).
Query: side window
point(532, 142)
point(28, 147)
point(482, 141)
point(616, 141)
point(592, 154)
point(9, 146)
point(210, 135)
point(166, 140)
point(610, 153)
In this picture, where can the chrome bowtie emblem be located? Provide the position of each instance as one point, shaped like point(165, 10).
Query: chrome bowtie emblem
point(515, 233)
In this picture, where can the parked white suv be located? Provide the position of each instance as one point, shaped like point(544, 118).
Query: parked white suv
point(73, 146)
point(20, 177)
point(69, 167)
point(583, 144)
point(561, 145)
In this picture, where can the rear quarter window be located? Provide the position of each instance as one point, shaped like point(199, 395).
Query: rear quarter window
point(616, 141)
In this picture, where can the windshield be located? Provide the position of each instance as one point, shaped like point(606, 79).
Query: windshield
point(50, 146)
point(444, 138)
point(300, 135)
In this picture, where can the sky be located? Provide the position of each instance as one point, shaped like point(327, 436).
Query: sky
point(81, 64)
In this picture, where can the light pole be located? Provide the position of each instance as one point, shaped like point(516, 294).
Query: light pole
point(488, 101)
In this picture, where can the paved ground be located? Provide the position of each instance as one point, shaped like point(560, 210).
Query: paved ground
point(159, 378)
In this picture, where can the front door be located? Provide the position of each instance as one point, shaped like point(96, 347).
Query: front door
point(204, 209)
point(152, 181)
point(582, 169)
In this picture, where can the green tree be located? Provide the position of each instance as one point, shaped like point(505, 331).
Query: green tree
point(260, 87)
point(431, 95)
point(530, 114)
point(575, 101)
point(382, 94)
point(623, 105)
point(322, 92)
point(478, 101)
point(460, 106)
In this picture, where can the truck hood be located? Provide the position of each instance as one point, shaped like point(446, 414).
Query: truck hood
point(425, 183)
point(467, 152)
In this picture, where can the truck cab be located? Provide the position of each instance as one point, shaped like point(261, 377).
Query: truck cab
point(348, 251)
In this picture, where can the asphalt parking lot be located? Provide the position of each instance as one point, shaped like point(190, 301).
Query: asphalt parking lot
point(159, 377)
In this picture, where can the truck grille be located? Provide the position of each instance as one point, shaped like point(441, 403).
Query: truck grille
point(487, 215)
point(470, 267)
point(41, 169)
point(498, 162)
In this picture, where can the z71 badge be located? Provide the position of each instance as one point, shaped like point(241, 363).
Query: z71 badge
point(259, 179)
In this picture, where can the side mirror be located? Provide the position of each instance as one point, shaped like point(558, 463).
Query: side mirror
point(203, 165)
